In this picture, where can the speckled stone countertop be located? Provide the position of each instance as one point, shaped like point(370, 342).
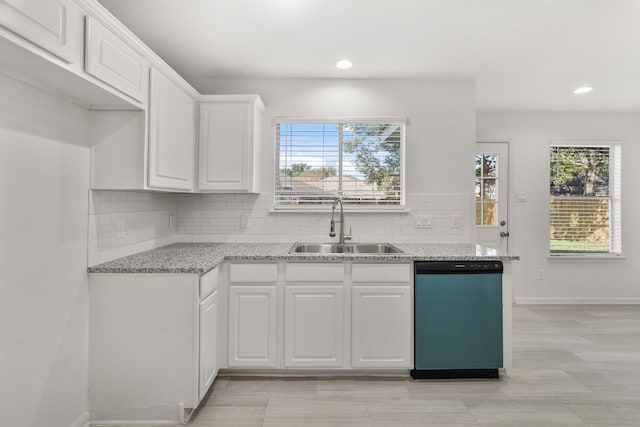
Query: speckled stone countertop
point(198, 258)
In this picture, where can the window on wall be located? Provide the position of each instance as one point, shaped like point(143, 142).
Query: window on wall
point(359, 161)
point(585, 203)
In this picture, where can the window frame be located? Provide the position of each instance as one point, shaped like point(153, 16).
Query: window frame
point(614, 197)
point(400, 207)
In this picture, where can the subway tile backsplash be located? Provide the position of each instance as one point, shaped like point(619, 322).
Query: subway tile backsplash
point(249, 218)
point(125, 222)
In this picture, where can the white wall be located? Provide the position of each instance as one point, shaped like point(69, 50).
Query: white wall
point(529, 135)
point(44, 181)
point(440, 143)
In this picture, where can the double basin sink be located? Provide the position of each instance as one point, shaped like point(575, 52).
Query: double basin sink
point(345, 248)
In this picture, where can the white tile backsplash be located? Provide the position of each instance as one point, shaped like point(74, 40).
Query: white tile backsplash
point(144, 217)
point(217, 217)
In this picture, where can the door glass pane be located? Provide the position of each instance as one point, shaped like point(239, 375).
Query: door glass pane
point(489, 165)
point(489, 189)
point(489, 213)
point(486, 169)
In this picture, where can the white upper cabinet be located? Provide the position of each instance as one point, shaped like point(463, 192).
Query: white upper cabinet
point(230, 127)
point(127, 157)
point(171, 152)
point(113, 61)
point(53, 25)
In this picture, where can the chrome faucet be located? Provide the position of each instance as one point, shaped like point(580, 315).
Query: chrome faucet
point(332, 232)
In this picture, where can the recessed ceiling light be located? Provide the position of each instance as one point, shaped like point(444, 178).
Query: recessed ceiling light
point(344, 64)
point(583, 89)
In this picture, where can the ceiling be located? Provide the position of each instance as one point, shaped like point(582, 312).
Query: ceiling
point(523, 54)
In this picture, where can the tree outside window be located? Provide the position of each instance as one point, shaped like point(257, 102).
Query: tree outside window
point(581, 203)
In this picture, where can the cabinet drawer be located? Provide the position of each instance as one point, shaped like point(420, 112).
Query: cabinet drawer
point(316, 273)
point(253, 273)
point(381, 273)
point(114, 62)
point(208, 283)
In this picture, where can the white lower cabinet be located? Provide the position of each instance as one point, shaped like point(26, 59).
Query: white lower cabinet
point(252, 326)
point(208, 324)
point(381, 326)
point(381, 316)
point(152, 345)
point(314, 326)
point(319, 316)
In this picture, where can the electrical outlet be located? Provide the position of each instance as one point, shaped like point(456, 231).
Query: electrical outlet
point(540, 274)
point(521, 197)
point(171, 221)
point(423, 221)
point(120, 230)
point(456, 221)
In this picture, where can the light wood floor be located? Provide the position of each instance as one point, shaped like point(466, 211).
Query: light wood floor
point(573, 366)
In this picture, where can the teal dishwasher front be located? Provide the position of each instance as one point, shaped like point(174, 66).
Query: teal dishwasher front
point(457, 319)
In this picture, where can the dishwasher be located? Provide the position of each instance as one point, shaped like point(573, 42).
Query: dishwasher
point(457, 319)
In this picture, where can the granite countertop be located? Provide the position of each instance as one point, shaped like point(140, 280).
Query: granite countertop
point(198, 258)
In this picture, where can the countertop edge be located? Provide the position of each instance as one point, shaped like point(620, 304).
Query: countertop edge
point(279, 257)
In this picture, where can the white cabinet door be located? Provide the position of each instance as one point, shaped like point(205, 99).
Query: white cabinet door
point(229, 139)
point(381, 326)
point(314, 322)
point(171, 136)
point(208, 324)
point(252, 326)
point(54, 25)
point(114, 62)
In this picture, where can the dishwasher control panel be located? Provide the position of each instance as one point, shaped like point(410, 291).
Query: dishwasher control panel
point(454, 267)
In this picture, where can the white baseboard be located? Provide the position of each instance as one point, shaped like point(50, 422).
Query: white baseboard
point(577, 300)
point(83, 420)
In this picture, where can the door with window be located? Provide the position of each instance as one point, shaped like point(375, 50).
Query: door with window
point(491, 197)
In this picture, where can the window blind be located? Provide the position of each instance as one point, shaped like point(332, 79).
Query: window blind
point(360, 162)
point(584, 208)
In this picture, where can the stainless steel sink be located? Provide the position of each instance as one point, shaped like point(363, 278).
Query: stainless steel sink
point(346, 248)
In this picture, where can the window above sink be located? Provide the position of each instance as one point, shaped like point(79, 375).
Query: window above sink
point(359, 160)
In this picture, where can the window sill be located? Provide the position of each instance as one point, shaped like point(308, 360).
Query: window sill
point(398, 211)
point(586, 258)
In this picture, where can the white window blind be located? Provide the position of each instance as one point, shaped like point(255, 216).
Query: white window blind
point(585, 199)
point(358, 161)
